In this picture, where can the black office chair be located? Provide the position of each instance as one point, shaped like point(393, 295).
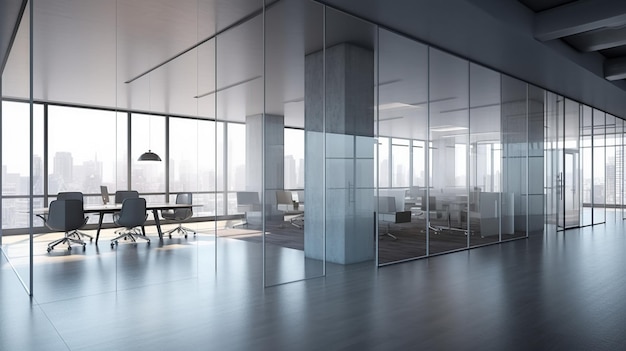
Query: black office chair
point(122, 195)
point(75, 195)
point(132, 216)
point(179, 214)
point(66, 216)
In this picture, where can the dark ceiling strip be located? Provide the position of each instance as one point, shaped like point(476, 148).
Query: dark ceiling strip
point(389, 82)
point(227, 87)
point(237, 23)
point(300, 99)
point(18, 20)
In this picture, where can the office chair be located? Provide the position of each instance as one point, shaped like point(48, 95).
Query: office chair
point(179, 214)
point(131, 216)
point(247, 202)
point(66, 216)
point(286, 204)
point(75, 195)
point(386, 213)
point(122, 195)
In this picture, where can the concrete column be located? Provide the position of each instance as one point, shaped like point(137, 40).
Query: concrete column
point(346, 132)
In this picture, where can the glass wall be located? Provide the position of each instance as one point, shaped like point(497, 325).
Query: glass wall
point(402, 126)
point(329, 144)
point(586, 160)
point(485, 154)
point(599, 167)
point(449, 137)
point(571, 165)
point(20, 179)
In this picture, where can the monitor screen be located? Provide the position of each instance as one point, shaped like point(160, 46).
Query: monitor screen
point(104, 191)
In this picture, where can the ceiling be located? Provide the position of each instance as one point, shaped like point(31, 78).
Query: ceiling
point(160, 55)
point(587, 26)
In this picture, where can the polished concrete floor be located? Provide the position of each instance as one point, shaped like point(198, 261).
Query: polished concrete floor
point(561, 291)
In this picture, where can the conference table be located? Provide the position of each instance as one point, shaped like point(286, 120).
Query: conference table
point(112, 208)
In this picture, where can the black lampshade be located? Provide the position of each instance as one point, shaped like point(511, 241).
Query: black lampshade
point(149, 156)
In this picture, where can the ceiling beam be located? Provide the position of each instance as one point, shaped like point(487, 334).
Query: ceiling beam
point(599, 40)
point(615, 69)
point(578, 17)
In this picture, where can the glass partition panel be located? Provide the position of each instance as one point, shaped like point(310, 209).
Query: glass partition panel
point(239, 105)
point(485, 148)
point(536, 170)
point(599, 167)
point(147, 135)
point(382, 156)
point(15, 232)
point(572, 170)
point(610, 174)
point(347, 67)
point(512, 200)
point(403, 121)
point(552, 159)
point(619, 167)
point(586, 161)
point(16, 191)
point(449, 136)
point(294, 236)
point(165, 248)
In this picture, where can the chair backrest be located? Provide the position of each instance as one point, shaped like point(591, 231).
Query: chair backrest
point(183, 213)
point(70, 195)
point(184, 198)
point(65, 215)
point(284, 197)
point(300, 196)
point(133, 212)
point(122, 195)
point(432, 203)
point(386, 204)
point(248, 198)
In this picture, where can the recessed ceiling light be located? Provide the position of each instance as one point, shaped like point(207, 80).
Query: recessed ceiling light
point(447, 128)
point(395, 105)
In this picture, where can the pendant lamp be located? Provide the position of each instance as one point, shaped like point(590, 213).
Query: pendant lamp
point(149, 155)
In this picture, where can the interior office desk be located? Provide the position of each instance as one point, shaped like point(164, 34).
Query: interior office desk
point(112, 208)
point(104, 209)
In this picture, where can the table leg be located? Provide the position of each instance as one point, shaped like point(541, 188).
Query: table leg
point(157, 222)
point(99, 226)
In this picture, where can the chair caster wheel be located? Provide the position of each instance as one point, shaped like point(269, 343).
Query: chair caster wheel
point(185, 236)
point(170, 236)
point(49, 249)
point(69, 248)
point(148, 242)
point(84, 247)
point(90, 240)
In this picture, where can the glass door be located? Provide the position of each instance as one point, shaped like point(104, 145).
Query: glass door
point(571, 195)
point(570, 186)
